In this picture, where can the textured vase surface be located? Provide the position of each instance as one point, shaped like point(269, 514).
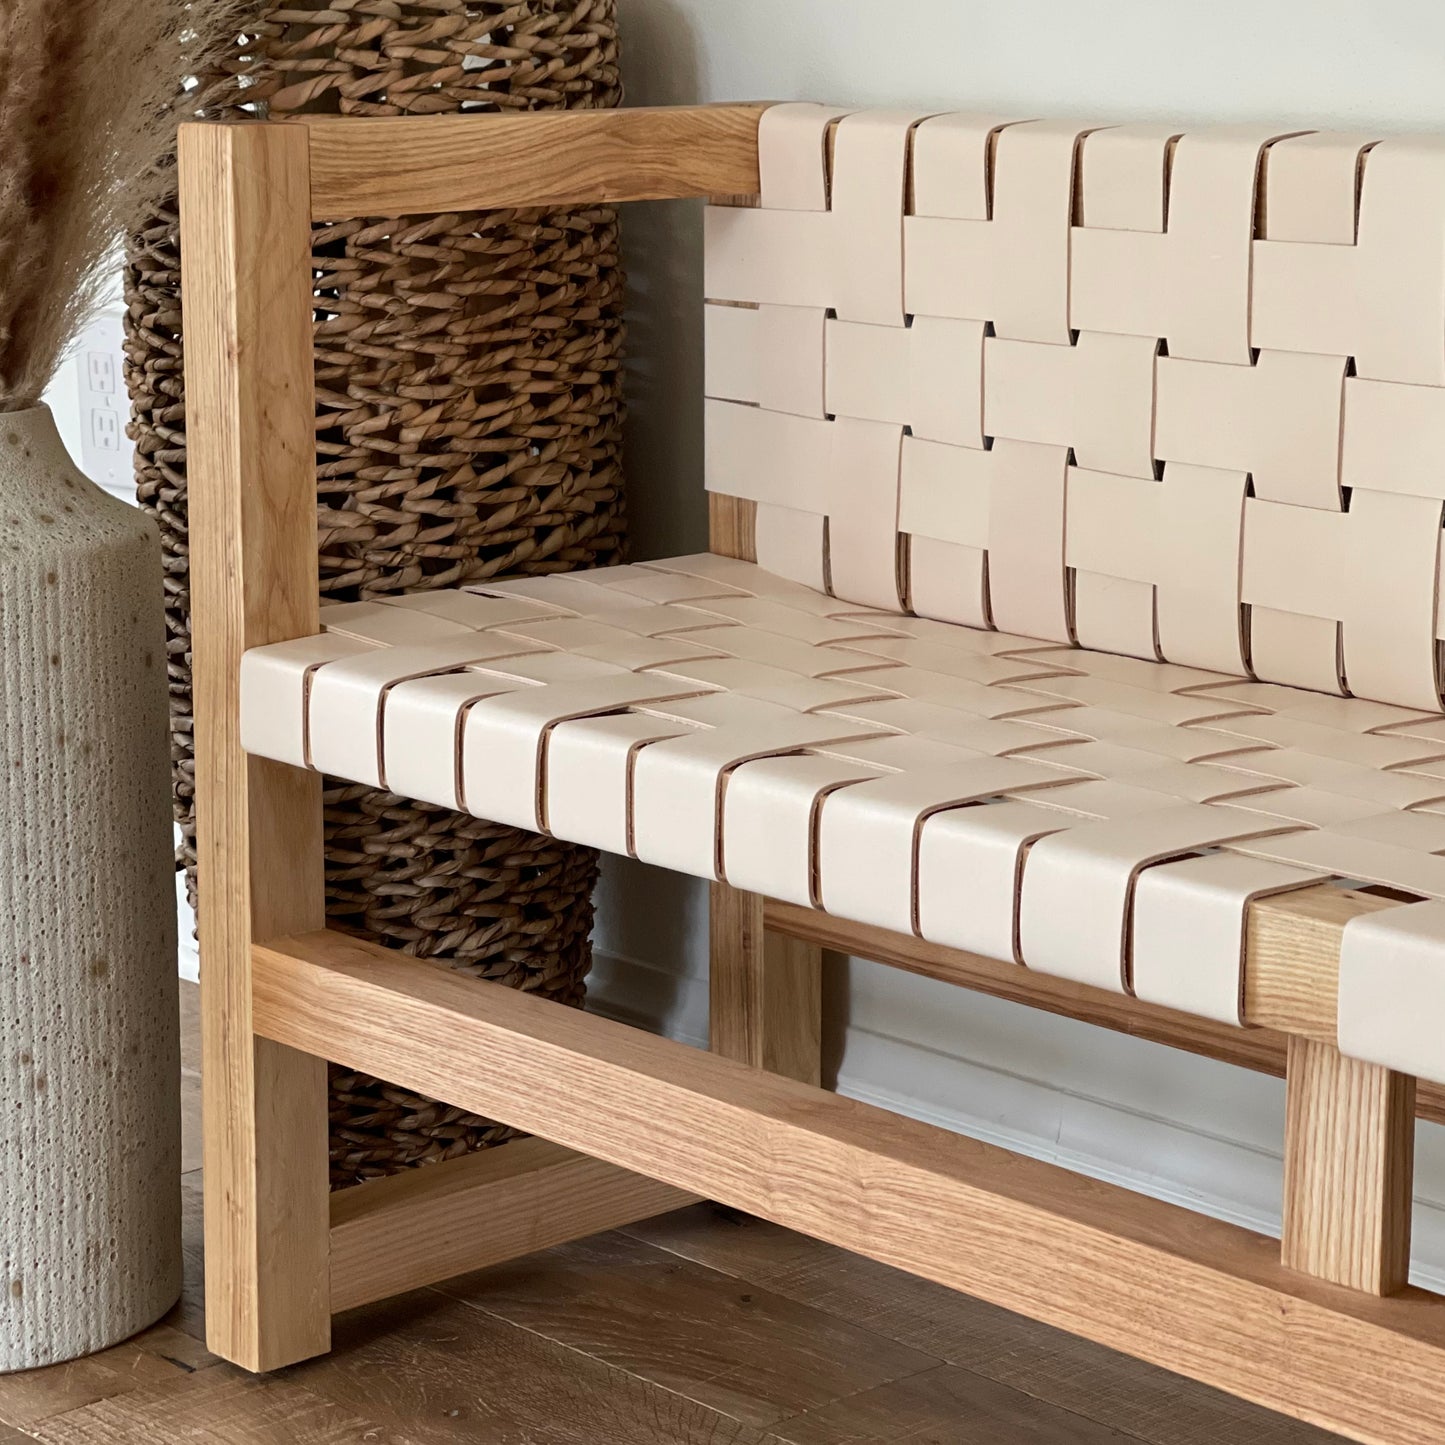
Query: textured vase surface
point(89, 1050)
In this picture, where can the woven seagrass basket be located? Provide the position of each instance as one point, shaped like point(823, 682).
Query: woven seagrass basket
point(468, 374)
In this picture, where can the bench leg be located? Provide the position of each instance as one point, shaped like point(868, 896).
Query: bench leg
point(264, 1106)
point(1349, 1169)
point(766, 991)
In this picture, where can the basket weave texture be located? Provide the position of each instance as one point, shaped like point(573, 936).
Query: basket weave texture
point(469, 408)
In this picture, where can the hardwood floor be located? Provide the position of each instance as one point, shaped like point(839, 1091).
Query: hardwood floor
point(703, 1327)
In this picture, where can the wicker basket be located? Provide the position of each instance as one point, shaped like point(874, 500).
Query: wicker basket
point(468, 372)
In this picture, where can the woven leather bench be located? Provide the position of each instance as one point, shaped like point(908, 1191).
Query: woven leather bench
point(1071, 629)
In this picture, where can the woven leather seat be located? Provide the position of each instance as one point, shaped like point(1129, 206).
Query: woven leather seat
point(1095, 816)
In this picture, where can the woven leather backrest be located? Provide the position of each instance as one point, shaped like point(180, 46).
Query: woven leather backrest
point(1167, 392)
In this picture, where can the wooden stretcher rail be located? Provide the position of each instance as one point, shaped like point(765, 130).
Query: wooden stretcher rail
point(1291, 981)
point(1254, 1048)
point(1193, 1295)
point(408, 165)
point(427, 1225)
point(1291, 962)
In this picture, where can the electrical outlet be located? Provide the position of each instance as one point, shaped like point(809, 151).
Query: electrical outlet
point(104, 429)
point(106, 454)
point(100, 372)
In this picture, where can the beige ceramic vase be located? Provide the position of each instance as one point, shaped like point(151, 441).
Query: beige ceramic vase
point(89, 1113)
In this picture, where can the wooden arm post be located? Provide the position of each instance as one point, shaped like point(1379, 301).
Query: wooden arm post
point(248, 195)
point(246, 247)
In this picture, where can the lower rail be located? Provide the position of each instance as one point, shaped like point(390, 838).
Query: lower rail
point(434, 1223)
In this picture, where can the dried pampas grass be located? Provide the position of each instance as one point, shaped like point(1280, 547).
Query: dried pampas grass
point(90, 94)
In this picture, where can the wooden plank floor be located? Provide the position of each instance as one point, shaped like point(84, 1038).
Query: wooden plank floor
point(703, 1327)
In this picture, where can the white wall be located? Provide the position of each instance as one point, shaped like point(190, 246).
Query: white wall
point(1178, 1126)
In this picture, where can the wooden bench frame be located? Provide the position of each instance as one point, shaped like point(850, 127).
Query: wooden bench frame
point(629, 1124)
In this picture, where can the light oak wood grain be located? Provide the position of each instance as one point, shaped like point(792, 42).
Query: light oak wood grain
point(765, 990)
point(1348, 1169)
point(1204, 1298)
point(246, 246)
point(1292, 958)
point(426, 1225)
point(732, 526)
point(408, 165)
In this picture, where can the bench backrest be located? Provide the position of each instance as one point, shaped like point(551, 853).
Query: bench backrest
point(1175, 393)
